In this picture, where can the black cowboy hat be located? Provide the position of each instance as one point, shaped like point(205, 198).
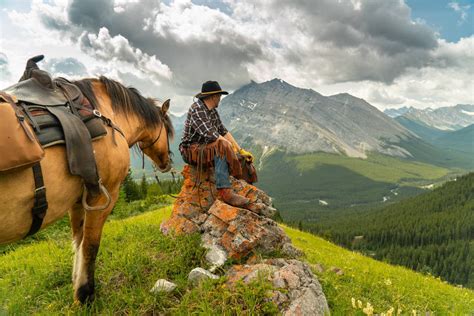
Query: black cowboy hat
point(210, 88)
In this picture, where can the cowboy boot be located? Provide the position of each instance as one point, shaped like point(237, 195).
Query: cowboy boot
point(230, 197)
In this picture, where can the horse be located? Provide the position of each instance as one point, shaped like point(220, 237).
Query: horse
point(142, 123)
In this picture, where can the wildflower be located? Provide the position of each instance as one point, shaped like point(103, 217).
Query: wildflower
point(413, 312)
point(368, 310)
point(353, 303)
point(399, 311)
point(390, 311)
point(359, 303)
point(388, 282)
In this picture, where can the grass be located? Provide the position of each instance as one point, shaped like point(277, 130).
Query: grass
point(35, 278)
point(376, 167)
point(382, 285)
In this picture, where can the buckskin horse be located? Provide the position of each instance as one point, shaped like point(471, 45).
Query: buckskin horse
point(141, 122)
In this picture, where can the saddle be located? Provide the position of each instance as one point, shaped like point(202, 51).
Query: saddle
point(59, 113)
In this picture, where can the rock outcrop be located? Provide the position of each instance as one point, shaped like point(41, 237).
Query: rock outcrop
point(231, 232)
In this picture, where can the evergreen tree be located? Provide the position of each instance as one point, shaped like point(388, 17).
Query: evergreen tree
point(130, 187)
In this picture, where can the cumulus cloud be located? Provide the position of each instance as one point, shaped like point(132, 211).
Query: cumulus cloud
point(65, 67)
point(117, 48)
point(368, 46)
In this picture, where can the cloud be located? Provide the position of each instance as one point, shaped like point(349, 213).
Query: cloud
point(118, 49)
point(461, 9)
point(169, 48)
point(65, 67)
point(5, 73)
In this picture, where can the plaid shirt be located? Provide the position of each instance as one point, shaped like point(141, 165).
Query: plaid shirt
point(202, 125)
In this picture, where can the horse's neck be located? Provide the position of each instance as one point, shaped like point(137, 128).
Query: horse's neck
point(132, 128)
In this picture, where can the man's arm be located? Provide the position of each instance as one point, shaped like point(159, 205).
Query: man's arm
point(231, 139)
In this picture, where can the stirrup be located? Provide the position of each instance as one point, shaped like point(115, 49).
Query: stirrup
point(103, 189)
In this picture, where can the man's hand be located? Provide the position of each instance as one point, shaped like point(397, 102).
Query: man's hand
point(246, 154)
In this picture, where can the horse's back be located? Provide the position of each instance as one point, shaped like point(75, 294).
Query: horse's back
point(17, 195)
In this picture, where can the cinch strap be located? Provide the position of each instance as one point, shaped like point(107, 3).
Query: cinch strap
point(41, 204)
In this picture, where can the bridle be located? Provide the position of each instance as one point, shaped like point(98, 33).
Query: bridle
point(163, 126)
point(156, 139)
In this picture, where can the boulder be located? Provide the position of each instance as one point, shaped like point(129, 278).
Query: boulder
point(296, 291)
point(236, 231)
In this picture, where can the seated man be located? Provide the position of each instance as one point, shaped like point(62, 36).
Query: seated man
point(207, 142)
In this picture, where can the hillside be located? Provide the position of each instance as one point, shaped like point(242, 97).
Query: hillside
point(461, 140)
point(306, 185)
point(134, 254)
point(431, 232)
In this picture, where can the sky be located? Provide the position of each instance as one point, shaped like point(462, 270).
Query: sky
point(392, 53)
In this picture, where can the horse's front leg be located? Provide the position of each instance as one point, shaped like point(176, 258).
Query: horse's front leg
point(86, 252)
point(76, 216)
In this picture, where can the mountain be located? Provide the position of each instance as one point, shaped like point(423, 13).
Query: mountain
point(431, 232)
point(394, 112)
point(462, 140)
point(275, 114)
point(426, 132)
point(444, 118)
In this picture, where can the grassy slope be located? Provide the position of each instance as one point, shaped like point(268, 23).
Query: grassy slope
point(299, 181)
point(375, 167)
point(381, 284)
point(35, 278)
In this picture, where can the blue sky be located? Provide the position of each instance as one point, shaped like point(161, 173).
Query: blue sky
point(440, 16)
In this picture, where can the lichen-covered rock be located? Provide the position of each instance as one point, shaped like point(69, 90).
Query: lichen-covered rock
point(232, 232)
point(296, 289)
point(240, 231)
point(236, 231)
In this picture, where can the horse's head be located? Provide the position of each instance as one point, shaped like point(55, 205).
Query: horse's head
point(141, 119)
point(156, 141)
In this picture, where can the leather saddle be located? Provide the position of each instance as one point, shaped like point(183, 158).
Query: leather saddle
point(60, 114)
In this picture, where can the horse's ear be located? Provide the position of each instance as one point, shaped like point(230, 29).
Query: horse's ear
point(165, 106)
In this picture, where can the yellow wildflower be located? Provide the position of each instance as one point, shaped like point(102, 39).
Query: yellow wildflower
point(359, 303)
point(353, 302)
point(368, 310)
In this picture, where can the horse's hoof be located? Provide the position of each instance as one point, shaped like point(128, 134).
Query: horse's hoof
point(85, 293)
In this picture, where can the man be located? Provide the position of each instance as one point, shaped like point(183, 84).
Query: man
point(206, 142)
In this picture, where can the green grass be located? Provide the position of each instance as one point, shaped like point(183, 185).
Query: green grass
point(376, 167)
point(381, 284)
point(35, 278)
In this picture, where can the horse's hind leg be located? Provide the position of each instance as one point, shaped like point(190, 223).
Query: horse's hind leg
point(87, 251)
point(76, 216)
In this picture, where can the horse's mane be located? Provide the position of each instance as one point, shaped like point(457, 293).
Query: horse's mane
point(127, 101)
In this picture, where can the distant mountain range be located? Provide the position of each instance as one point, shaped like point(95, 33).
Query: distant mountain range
point(275, 114)
point(444, 118)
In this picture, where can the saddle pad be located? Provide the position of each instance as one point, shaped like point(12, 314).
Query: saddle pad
point(50, 132)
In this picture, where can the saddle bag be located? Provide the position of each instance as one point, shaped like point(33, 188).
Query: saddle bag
point(19, 147)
